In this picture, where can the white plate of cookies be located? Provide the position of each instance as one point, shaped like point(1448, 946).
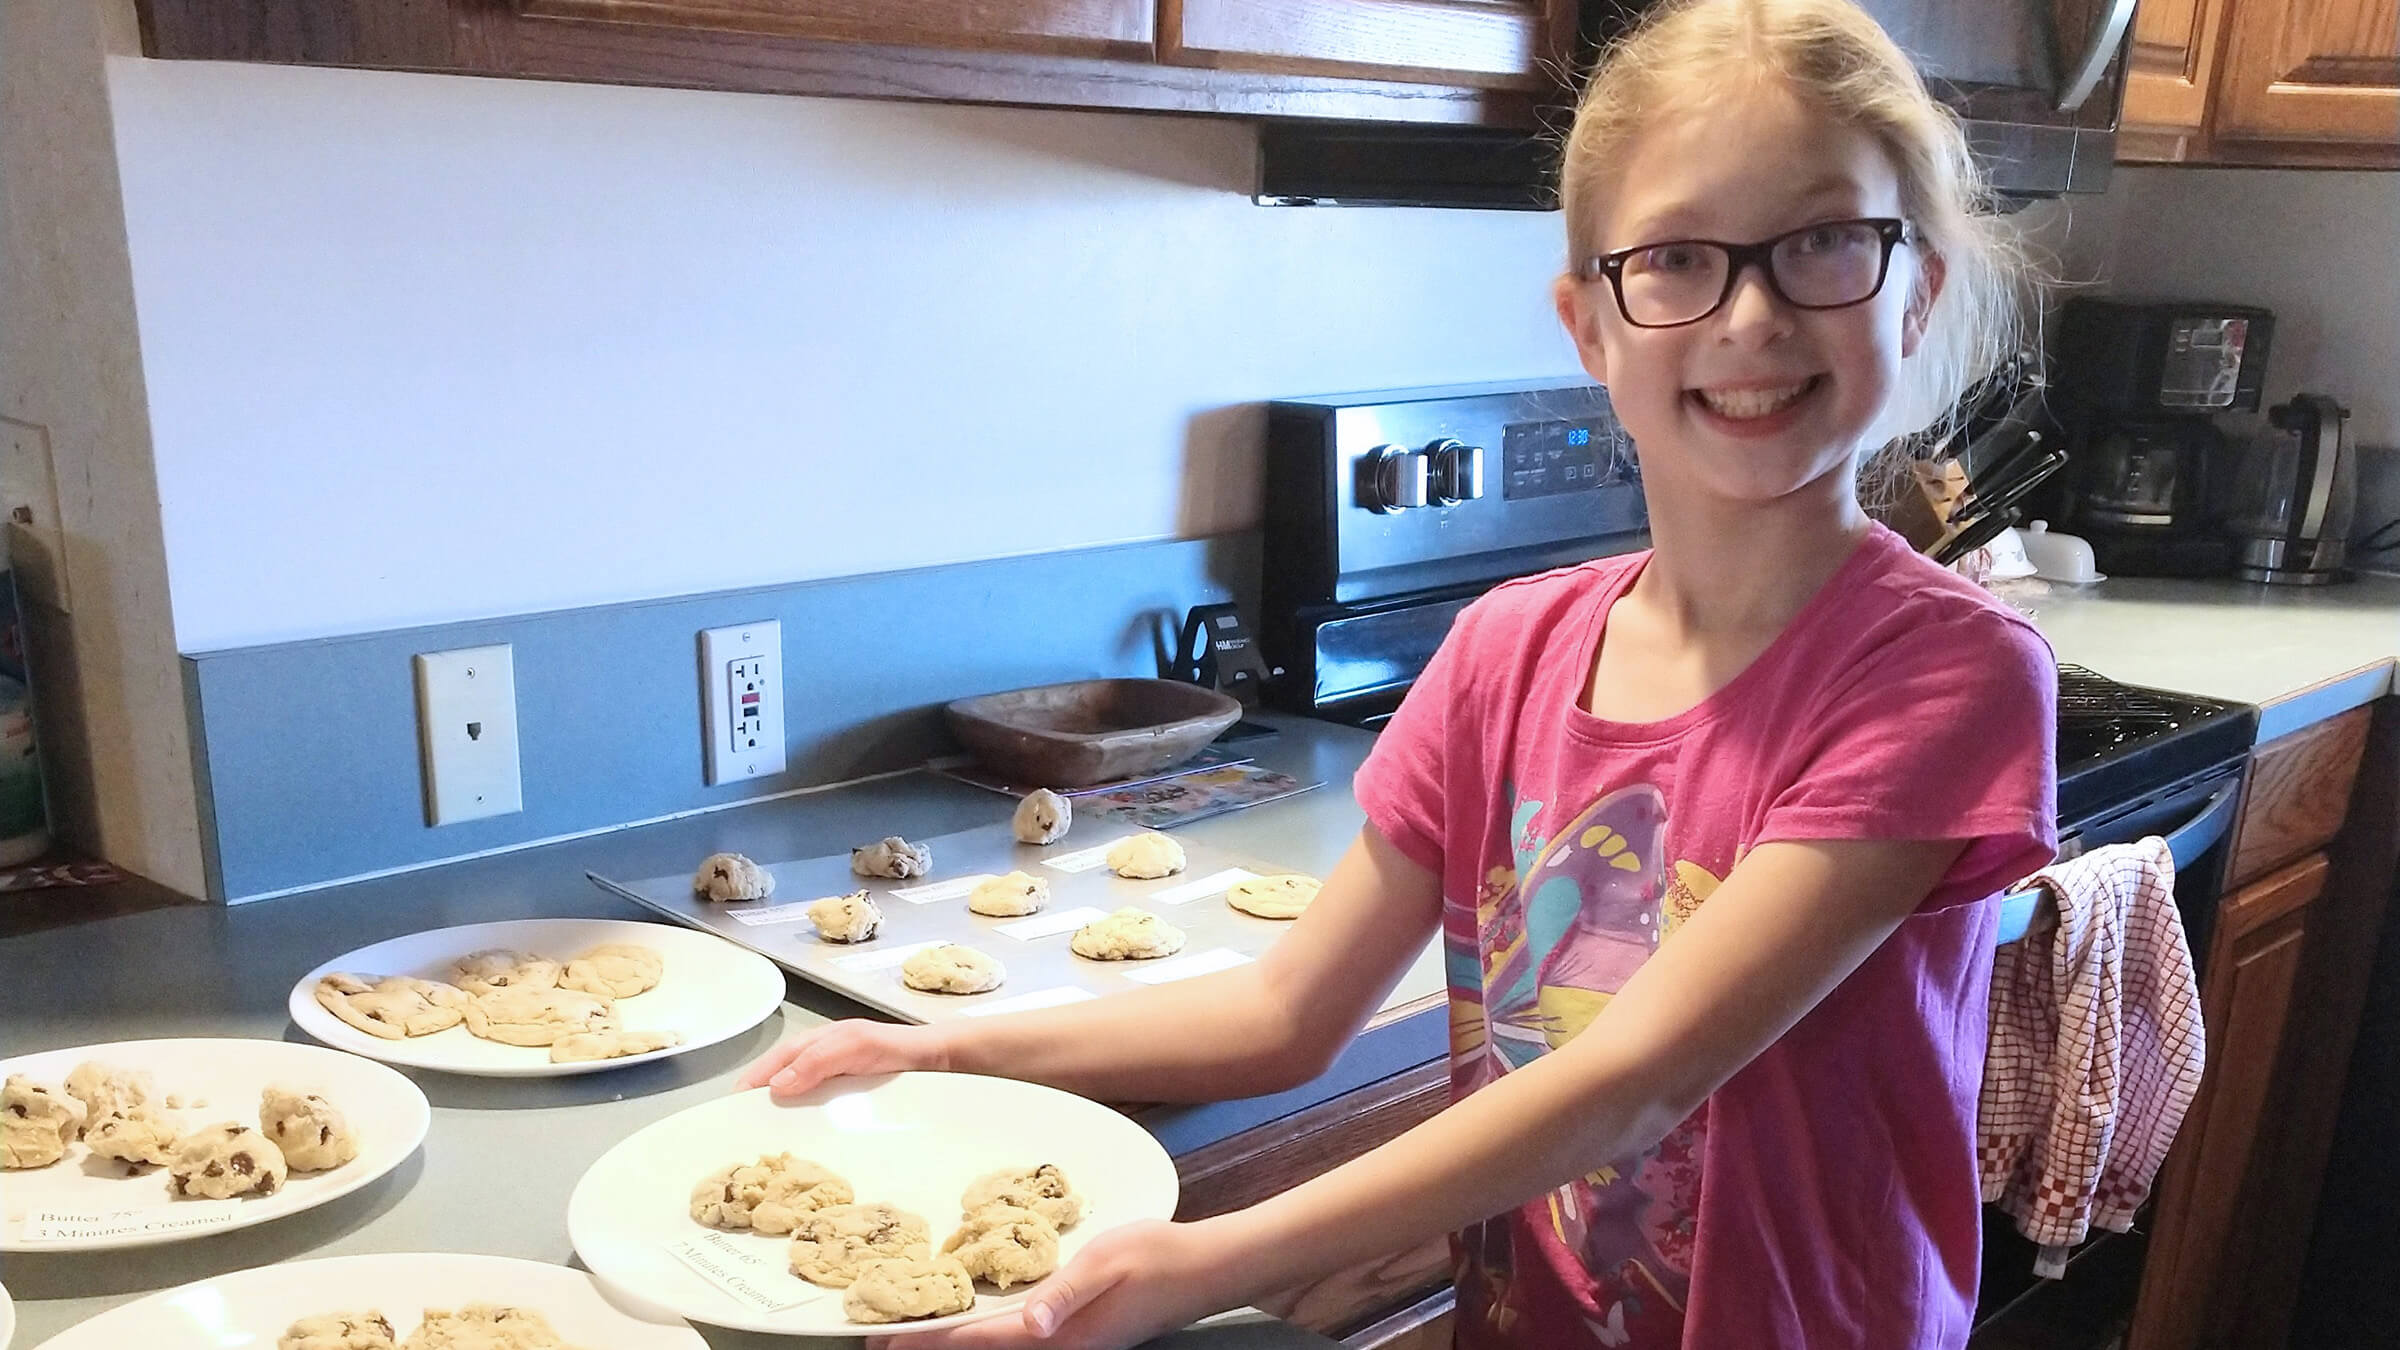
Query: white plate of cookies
point(537, 998)
point(385, 1299)
point(872, 1206)
point(140, 1142)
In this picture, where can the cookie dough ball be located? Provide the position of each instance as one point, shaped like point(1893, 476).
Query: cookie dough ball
point(482, 1326)
point(892, 858)
point(1128, 935)
point(1145, 857)
point(108, 1090)
point(339, 1331)
point(951, 969)
point(845, 918)
point(730, 876)
point(1280, 897)
point(1044, 1190)
point(1009, 896)
point(537, 1016)
point(392, 1006)
point(499, 968)
point(907, 1290)
point(831, 1246)
point(36, 1123)
point(1005, 1245)
point(615, 970)
point(219, 1162)
point(141, 1136)
point(768, 1196)
point(311, 1131)
point(581, 1047)
point(1043, 817)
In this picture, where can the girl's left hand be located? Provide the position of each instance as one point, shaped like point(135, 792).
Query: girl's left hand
point(1125, 1286)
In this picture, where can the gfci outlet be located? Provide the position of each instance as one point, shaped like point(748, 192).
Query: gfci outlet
point(467, 726)
point(741, 700)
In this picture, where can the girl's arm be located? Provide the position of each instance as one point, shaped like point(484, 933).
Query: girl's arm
point(1262, 1027)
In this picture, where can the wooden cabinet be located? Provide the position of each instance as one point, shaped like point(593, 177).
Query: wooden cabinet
point(2264, 82)
point(2169, 72)
point(2298, 794)
point(1511, 44)
point(1073, 27)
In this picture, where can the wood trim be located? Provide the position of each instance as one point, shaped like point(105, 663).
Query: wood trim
point(1120, 28)
point(1239, 1172)
point(1522, 45)
point(2298, 794)
point(2140, 145)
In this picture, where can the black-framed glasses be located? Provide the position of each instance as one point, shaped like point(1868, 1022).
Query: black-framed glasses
point(1829, 265)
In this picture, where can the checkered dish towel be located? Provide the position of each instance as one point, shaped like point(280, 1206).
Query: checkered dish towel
point(2096, 1050)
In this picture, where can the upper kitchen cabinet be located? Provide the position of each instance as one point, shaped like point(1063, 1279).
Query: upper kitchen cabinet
point(2169, 72)
point(1066, 27)
point(1503, 44)
point(2264, 82)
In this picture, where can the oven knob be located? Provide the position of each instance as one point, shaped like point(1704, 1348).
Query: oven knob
point(1391, 479)
point(1457, 471)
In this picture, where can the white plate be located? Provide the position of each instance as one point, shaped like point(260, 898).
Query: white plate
point(8, 1319)
point(388, 1111)
point(711, 991)
point(913, 1139)
point(251, 1308)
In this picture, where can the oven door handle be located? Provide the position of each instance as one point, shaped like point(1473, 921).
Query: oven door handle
point(2185, 843)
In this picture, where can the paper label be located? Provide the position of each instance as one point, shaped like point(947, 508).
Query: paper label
point(1050, 925)
point(57, 1223)
point(1185, 967)
point(941, 890)
point(760, 918)
point(1215, 883)
point(1082, 860)
point(883, 959)
point(1040, 998)
point(751, 1279)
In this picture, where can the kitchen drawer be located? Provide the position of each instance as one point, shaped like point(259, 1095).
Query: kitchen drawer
point(2299, 792)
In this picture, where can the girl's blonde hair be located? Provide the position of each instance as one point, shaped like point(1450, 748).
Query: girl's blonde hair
point(1831, 54)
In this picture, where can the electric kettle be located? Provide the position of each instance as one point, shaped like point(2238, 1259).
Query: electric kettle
point(2294, 496)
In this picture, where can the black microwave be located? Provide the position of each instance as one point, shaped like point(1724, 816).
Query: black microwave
point(2037, 84)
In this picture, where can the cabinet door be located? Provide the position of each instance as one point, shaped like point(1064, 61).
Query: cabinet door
point(2168, 73)
point(1504, 44)
point(1120, 28)
point(2321, 72)
point(2217, 1179)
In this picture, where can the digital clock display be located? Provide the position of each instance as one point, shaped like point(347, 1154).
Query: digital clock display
point(1544, 459)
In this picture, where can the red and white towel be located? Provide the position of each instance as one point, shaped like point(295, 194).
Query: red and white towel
point(2096, 1050)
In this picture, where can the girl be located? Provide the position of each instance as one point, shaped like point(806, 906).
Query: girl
point(1708, 832)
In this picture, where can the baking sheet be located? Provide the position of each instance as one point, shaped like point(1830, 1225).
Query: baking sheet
point(1041, 970)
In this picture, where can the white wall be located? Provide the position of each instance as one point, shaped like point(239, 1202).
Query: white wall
point(427, 348)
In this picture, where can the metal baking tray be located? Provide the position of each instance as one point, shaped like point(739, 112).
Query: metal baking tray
point(1041, 970)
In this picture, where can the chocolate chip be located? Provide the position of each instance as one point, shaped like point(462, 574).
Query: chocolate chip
point(18, 1110)
point(244, 1164)
point(324, 1134)
point(213, 1170)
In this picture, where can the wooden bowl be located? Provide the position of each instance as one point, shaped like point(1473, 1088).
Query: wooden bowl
point(1091, 731)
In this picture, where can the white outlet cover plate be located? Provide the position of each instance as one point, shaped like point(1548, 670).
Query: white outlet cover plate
point(739, 748)
point(467, 728)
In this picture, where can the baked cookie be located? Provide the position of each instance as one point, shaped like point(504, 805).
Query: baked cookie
point(339, 1331)
point(845, 918)
point(893, 858)
point(1005, 1246)
point(1145, 857)
point(392, 1006)
point(36, 1123)
point(1009, 896)
point(108, 1090)
point(580, 1047)
point(830, 1246)
point(1128, 935)
point(615, 970)
point(1043, 1189)
point(499, 968)
point(141, 1135)
point(221, 1161)
point(1280, 897)
point(482, 1326)
point(1043, 817)
point(311, 1131)
point(519, 1016)
point(730, 876)
point(910, 1289)
point(768, 1196)
point(951, 969)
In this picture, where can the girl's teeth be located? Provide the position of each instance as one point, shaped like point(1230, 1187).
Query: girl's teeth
point(1746, 403)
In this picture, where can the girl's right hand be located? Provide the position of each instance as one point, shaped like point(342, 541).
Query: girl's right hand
point(840, 1049)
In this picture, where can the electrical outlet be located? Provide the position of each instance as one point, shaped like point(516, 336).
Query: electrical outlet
point(467, 726)
point(741, 700)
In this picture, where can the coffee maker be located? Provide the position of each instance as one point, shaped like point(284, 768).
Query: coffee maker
point(2139, 384)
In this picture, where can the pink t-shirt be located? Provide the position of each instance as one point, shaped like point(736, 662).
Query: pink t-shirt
point(1826, 1195)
